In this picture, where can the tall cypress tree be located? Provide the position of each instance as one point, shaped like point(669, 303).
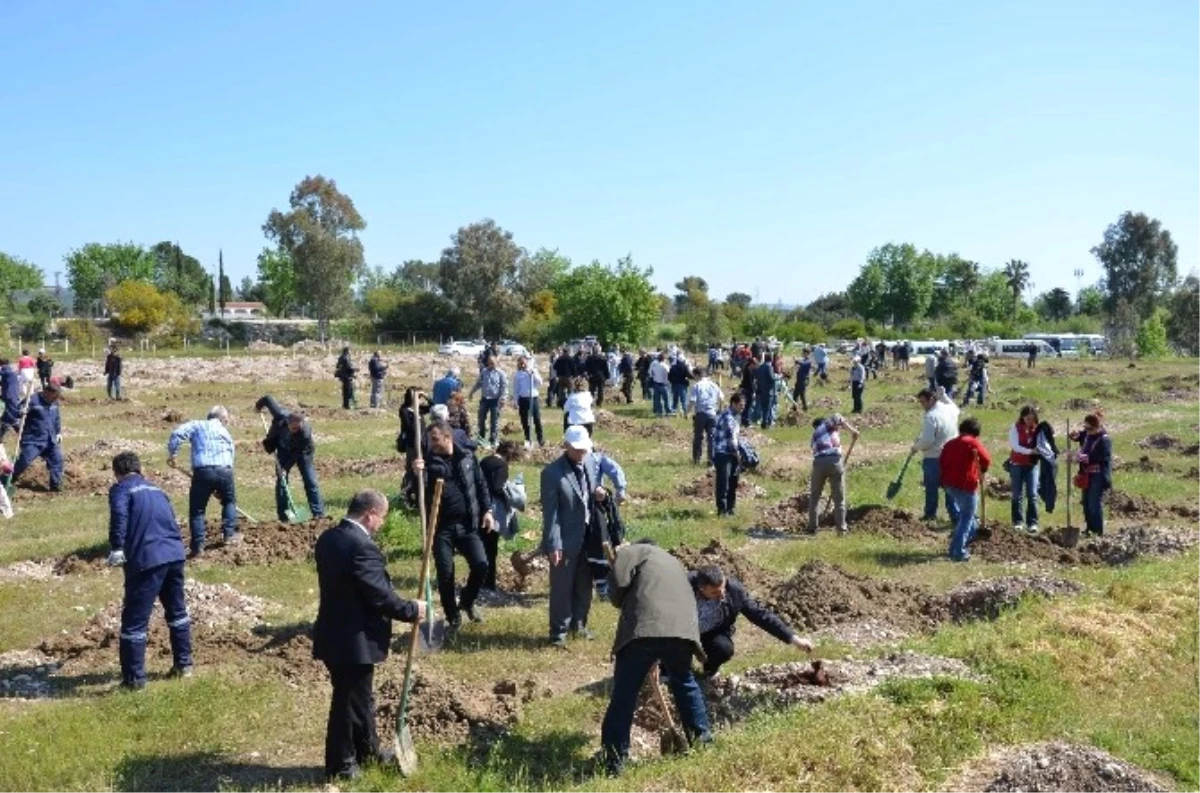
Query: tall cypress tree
point(221, 280)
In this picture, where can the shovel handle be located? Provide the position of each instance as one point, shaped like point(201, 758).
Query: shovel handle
point(414, 634)
point(656, 684)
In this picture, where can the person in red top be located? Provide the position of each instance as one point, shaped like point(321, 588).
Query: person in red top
point(27, 368)
point(963, 463)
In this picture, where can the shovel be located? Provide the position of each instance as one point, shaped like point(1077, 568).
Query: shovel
point(240, 511)
point(1070, 534)
point(894, 488)
point(983, 532)
point(293, 514)
point(431, 633)
point(20, 430)
point(671, 740)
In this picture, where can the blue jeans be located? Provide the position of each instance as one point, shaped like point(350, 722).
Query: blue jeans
point(1093, 504)
point(114, 387)
point(206, 481)
point(165, 583)
point(1025, 483)
point(766, 410)
point(633, 663)
point(661, 408)
point(964, 527)
point(308, 473)
point(679, 399)
point(489, 407)
point(931, 473)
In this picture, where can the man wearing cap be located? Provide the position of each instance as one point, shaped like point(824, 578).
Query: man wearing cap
point(42, 436)
point(571, 490)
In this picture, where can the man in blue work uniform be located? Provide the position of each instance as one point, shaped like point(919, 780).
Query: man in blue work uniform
point(212, 472)
point(290, 440)
point(144, 538)
point(10, 393)
point(42, 436)
point(442, 389)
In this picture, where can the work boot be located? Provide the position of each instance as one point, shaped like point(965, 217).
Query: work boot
point(473, 614)
point(180, 671)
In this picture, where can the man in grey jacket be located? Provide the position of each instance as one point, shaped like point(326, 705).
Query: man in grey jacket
point(658, 625)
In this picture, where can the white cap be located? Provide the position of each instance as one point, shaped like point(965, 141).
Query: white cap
point(41, 350)
point(577, 438)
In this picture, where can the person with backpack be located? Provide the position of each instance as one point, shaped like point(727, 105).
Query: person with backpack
point(1095, 470)
point(1023, 469)
point(345, 371)
point(964, 461)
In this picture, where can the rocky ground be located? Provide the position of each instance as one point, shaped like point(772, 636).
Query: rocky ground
point(1056, 766)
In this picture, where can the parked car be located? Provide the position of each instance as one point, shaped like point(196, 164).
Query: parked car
point(510, 347)
point(472, 348)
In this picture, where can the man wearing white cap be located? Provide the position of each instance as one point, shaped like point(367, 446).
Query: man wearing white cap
point(570, 492)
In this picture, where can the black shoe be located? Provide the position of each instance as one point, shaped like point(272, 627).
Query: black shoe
point(345, 775)
point(452, 628)
point(133, 685)
point(180, 671)
point(196, 553)
point(473, 614)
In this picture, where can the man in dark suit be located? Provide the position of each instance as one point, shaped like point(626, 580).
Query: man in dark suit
point(354, 628)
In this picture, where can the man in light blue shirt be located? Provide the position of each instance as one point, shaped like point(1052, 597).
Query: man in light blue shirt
point(706, 399)
point(212, 472)
point(493, 387)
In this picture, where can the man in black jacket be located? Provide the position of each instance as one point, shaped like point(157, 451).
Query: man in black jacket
point(564, 370)
point(597, 374)
point(354, 629)
point(946, 372)
point(719, 601)
point(465, 511)
point(290, 439)
point(345, 370)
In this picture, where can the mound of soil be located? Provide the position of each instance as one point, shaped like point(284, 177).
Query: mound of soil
point(525, 567)
point(874, 418)
point(445, 711)
point(1160, 441)
point(265, 542)
point(1005, 545)
point(704, 487)
point(78, 478)
point(1056, 766)
point(756, 580)
point(791, 514)
point(1080, 404)
point(1129, 542)
point(822, 594)
point(984, 600)
point(94, 558)
point(1133, 505)
point(1144, 464)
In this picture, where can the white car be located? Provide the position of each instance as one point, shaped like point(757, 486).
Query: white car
point(513, 348)
point(472, 348)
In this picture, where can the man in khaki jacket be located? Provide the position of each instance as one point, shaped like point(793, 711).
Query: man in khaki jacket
point(658, 625)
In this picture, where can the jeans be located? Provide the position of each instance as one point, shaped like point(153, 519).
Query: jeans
point(113, 386)
point(570, 594)
point(767, 409)
point(1025, 484)
point(831, 469)
point(447, 540)
point(726, 471)
point(165, 583)
point(207, 480)
point(964, 527)
point(350, 736)
point(747, 407)
point(489, 408)
point(679, 399)
point(661, 408)
point(633, 663)
point(528, 408)
point(931, 475)
point(977, 387)
point(856, 391)
point(702, 431)
point(376, 392)
point(308, 474)
point(49, 451)
point(1093, 504)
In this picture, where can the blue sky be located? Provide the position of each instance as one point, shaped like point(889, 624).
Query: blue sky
point(766, 147)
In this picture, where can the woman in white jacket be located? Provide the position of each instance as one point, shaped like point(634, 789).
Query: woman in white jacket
point(578, 409)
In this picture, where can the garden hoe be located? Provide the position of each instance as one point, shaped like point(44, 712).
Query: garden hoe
point(893, 489)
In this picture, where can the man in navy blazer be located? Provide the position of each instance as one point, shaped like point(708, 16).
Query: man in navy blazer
point(354, 628)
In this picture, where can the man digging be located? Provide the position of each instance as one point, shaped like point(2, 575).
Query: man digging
point(212, 472)
point(290, 439)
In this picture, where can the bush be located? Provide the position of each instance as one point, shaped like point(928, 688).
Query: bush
point(800, 330)
point(82, 333)
point(1151, 338)
point(848, 329)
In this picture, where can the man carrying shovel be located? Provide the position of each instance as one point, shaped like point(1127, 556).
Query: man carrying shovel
point(353, 630)
point(290, 439)
point(829, 466)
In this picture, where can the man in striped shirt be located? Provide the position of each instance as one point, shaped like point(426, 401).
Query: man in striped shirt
point(706, 399)
point(212, 472)
point(493, 386)
point(828, 466)
point(725, 454)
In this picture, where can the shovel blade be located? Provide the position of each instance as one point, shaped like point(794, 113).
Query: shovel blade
point(893, 490)
point(406, 752)
point(432, 635)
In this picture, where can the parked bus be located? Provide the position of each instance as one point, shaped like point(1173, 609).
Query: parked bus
point(1016, 348)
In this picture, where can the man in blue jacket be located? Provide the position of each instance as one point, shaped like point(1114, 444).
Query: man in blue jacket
point(764, 386)
point(290, 439)
point(42, 436)
point(443, 388)
point(145, 540)
point(10, 393)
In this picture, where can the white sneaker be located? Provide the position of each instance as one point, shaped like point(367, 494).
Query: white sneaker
point(528, 445)
point(1018, 527)
point(1033, 528)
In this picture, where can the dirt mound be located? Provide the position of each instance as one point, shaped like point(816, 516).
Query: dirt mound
point(107, 448)
point(791, 514)
point(1130, 542)
point(1133, 505)
point(1080, 404)
point(1005, 545)
point(875, 418)
point(756, 579)
point(83, 561)
point(78, 478)
point(704, 487)
point(1164, 442)
point(265, 542)
point(1053, 767)
point(1144, 464)
point(999, 488)
point(822, 594)
point(984, 600)
point(445, 711)
point(523, 568)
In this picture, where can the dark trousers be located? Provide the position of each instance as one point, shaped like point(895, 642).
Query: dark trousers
point(747, 403)
point(528, 408)
point(49, 451)
point(207, 480)
point(597, 389)
point(633, 663)
point(679, 399)
point(718, 648)
point(570, 593)
point(350, 737)
point(800, 394)
point(856, 391)
point(627, 388)
point(726, 470)
point(489, 408)
point(113, 386)
point(165, 583)
point(1093, 504)
point(308, 473)
point(1048, 483)
point(491, 549)
point(589, 426)
point(647, 387)
point(702, 431)
point(447, 540)
point(347, 393)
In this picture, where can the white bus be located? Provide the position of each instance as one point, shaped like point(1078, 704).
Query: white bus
point(1016, 348)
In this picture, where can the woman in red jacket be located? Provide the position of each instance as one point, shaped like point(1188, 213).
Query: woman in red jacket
point(1095, 469)
point(963, 462)
point(1023, 468)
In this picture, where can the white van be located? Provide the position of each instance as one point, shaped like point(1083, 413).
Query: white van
point(1017, 348)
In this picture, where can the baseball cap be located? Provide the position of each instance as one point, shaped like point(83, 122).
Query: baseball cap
point(577, 438)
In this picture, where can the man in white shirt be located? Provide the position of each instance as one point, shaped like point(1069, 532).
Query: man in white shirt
point(938, 427)
point(526, 382)
point(659, 372)
point(706, 400)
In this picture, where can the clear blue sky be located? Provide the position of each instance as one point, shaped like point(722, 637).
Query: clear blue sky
point(766, 147)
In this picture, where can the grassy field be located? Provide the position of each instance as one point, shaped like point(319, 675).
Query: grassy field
point(1115, 667)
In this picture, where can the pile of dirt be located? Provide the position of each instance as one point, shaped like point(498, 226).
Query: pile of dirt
point(524, 568)
point(265, 542)
point(984, 600)
point(1005, 545)
point(821, 594)
point(27, 571)
point(1144, 464)
point(446, 711)
point(78, 479)
point(1080, 404)
point(1130, 542)
point(756, 579)
point(791, 514)
point(24, 673)
point(83, 561)
point(107, 448)
point(1053, 767)
point(704, 488)
point(1164, 442)
point(874, 418)
point(999, 488)
point(1133, 505)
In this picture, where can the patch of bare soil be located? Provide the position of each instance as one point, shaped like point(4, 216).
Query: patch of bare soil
point(1160, 441)
point(1144, 465)
point(78, 478)
point(390, 465)
point(525, 567)
point(1005, 545)
point(821, 594)
point(107, 448)
point(704, 487)
point(27, 571)
point(265, 542)
point(874, 418)
point(756, 580)
point(1080, 404)
point(1133, 505)
point(1056, 766)
point(1130, 542)
point(446, 711)
point(984, 600)
point(669, 429)
point(791, 514)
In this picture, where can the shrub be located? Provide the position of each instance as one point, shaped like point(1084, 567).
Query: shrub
point(82, 333)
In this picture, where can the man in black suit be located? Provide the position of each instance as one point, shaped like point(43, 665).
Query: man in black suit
point(354, 628)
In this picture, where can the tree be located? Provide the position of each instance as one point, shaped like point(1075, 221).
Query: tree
point(1054, 305)
point(1183, 324)
point(616, 304)
point(138, 307)
point(867, 293)
point(692, 286)
point(176, 271)
point(1017, 274)
point(848, 329)
point(212, 295)
point(537, 272)
point(277, 278)
point(422, 276)
point(991, 299)
point(249, 291)
point(1138, 256)
point(17, 274)
point(909, 281)
point(225, 289)
point(479, 274)
point(740, 299)
point(320, 234)
point(760, 322)
point(956, 281)
point(1121, 327)
point(1090, 301)
point(94, 268)
point(828, 309)
point(1152, 336)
